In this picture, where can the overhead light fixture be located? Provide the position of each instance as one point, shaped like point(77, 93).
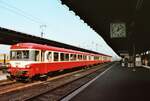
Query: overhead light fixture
point(139, 4)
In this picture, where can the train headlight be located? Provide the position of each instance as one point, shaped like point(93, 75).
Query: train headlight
point(27, 66)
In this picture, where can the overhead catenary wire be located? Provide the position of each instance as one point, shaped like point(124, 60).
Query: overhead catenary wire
point(20, 12)
point(10, 10)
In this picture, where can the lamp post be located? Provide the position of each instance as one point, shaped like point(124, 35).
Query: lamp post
point(42, 30)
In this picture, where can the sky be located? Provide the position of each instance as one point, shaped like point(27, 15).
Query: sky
point(61, 24)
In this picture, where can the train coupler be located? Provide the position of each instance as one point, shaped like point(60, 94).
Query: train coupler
point(10, 77)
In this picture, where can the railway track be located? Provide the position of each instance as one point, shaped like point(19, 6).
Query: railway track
point(6, 82)
point(66, 88)
point(35, 90)
point(8, 87)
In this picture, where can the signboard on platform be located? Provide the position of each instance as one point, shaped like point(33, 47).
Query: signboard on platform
point(117, 30)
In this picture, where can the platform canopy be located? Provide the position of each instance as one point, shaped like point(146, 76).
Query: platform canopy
point(129, 19)
point(10, 37)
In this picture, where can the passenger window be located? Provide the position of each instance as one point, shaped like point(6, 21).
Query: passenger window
point(84, 57)
point(73, 57)
point(77, 56)
point(56, 56)
point(62, 56)
point(49, 56)
point(94, 57)
point(66, 57)
point(89, 57)
point(37, 56)
point(25, 55)
point(100, 58)
point(80, 57)
point(97, 57)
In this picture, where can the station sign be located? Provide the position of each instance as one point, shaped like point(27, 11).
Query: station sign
point(117, 30)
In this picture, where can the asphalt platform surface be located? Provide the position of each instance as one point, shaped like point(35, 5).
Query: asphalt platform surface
point(118, 84)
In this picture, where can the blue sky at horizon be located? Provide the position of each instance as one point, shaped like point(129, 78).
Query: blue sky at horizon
point(61, 24)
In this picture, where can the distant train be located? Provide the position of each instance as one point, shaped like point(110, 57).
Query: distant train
point(4, 59)
point(29, 60)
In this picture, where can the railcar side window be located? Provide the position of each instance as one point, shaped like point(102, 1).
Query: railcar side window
point(89, 57)
point(104, 58)
point(49, 56)
point(66, 57)
point(96, 57)
point(80, 57)
point(84, 57)
point(77, 56)
point(100, 57)
point(72, 57)
point(62, 56)
point(19, 55)
point(37, 56)
point(56, 56)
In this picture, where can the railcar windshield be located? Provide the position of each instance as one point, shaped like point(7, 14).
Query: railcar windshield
point(26, 55)
point(19, 55)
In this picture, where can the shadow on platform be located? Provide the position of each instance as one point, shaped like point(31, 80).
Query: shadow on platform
point(118, 84)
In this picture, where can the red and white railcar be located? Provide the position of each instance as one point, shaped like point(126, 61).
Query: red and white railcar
point(29, 59)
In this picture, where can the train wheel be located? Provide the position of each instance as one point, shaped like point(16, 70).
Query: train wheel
point(36, 77)
point(84, 67)
point(26, 80)
point(43, 77)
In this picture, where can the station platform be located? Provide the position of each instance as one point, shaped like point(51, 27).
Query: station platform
point(3, 76)
point(118, 84)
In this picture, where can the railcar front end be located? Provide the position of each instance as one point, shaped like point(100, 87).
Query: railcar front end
point(21, 61)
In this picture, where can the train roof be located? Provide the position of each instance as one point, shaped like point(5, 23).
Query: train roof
point(48, 47)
